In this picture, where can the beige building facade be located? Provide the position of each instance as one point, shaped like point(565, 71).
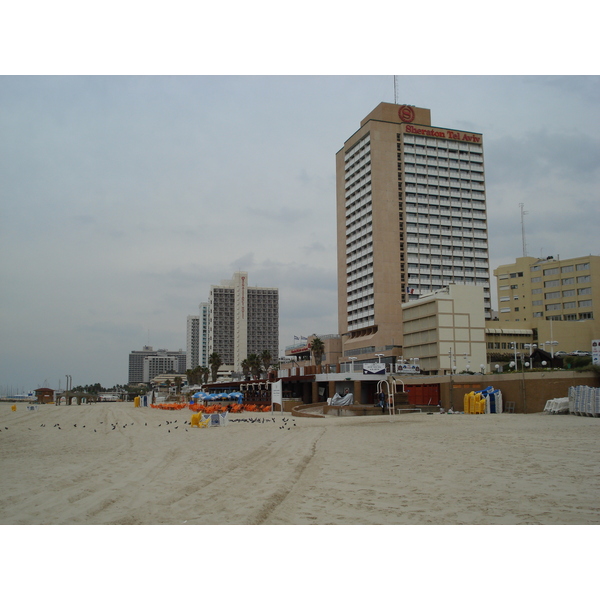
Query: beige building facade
point(554, 298)
point(411, 219)
point(445, 330)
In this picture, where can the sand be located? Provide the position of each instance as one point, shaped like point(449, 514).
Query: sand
point(113, 463)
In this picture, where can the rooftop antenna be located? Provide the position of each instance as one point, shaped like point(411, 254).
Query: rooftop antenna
point(523, 213)
point(395, 89)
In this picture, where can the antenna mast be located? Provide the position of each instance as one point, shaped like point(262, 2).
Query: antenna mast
point(395, 89)
point(523, 213)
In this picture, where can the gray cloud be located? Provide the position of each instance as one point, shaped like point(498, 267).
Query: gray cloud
point(124, 198)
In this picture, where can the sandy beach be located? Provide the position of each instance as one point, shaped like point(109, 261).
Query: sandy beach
point(113, 463)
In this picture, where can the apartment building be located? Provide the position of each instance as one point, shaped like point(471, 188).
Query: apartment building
point(554, 297)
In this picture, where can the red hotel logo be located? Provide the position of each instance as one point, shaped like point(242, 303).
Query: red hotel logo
point(448, 134)
point(406, 114)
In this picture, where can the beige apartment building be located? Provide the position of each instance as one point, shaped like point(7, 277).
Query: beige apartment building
point(554, 298)
point(411, 220)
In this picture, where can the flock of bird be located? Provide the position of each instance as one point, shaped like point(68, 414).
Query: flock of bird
point(261, 420)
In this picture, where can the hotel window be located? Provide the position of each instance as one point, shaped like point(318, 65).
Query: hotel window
point(586, 315)
point(536, 279)
point(513, 275)
point(584, 303)
point(570, 317)
point(569, 304)
point(583, 266)
point(553, 271)
point(584, 279)
point(537, 303)
point(568, 281)
point(567, 269)
point(536, 291)
point(538, 314)
point(552, 295)
point(552, 283)
point(584, 291)
point(553, 307)
point(505, 310)
point(535, 268)
point(568, 292)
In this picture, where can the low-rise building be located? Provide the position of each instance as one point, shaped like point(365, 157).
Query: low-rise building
point(445, 330)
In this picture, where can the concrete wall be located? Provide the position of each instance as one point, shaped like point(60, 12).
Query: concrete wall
point(529, 391)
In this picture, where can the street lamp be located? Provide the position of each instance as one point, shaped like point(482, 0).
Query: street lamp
point(451, 379)
point(531, 348)
point(514, 345)
point(552, 343)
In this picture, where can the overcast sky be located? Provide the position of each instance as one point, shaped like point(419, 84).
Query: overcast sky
point(124, 198)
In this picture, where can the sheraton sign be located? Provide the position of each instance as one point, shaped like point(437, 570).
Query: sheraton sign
point(447, 134)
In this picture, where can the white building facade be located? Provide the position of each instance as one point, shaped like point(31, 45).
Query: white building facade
point(197, 338)
point(242, 320)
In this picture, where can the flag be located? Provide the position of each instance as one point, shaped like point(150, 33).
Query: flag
point(303, 338)
point(296, 337)
point(410, 290)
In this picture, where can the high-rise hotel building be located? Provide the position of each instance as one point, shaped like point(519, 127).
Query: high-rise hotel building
point(243, 320)
point(411, 219)
point(197, 338)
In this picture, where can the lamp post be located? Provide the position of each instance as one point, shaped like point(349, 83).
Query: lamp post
point(531, 348)
point(452, 367)
point(514, 345)
point(353, 358)
point(467, 365)
point(552, 343)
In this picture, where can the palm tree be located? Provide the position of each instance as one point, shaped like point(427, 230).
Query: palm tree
point(266, 359)
point(204, 373)
point(178, 381)
point(317, 348)
point(214, 360)
point(254, 364)
point(245, 368)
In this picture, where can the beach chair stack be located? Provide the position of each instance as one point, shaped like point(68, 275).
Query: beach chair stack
point(557, 406)
point(584, 401)
point(485, 401)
